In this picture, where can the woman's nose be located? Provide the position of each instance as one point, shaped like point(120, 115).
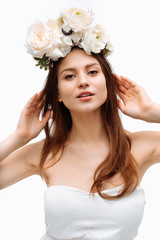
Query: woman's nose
point(83, 82)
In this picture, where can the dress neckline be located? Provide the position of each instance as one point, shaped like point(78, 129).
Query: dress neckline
point(81, 190)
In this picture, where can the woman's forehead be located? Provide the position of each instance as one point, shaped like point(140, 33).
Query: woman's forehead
point(77, 58)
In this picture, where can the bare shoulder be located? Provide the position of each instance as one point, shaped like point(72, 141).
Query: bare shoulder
point(144, 138)
point(144, 135)
point(145, 147)
point(21, 164)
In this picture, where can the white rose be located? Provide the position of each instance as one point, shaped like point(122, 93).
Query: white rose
point(95, 39)
point(55, 54)
point(41, 40)
point(76, 19)
point(64, 47)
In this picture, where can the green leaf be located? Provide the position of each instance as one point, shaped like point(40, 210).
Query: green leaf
point(43, 62)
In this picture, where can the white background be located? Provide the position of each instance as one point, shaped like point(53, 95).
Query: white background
point(134, 29)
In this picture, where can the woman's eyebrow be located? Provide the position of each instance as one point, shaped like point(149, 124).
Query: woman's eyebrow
point(73, 69)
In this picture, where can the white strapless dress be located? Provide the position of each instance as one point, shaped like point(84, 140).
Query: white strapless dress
point(71, 215)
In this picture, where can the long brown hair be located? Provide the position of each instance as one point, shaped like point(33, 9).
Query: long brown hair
point(119, 159)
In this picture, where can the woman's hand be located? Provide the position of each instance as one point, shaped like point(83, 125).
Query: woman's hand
point(135, 101)
point(29, 125)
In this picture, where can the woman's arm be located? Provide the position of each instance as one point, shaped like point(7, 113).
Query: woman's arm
point(29, 126)
point(137, 104)
point(135, 101)
point(20, 164)
point(17, 165)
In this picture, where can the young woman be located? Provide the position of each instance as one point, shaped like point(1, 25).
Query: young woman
point(92, 166)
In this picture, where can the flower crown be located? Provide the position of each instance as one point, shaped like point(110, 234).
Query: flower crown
point(47, 42)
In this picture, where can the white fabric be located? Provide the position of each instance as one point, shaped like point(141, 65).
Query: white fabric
point(71, 215)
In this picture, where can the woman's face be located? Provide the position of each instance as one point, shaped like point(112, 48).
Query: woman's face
point(81, 82)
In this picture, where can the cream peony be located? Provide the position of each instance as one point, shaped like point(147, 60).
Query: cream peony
point(76, 19)
point(95, 39)
point(41, 39)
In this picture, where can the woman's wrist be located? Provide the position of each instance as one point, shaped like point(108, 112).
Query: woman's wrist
point(152, 113)
point(13, 142)
point(20, 137)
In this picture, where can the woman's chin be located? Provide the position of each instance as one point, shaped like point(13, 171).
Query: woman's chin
point(86, 110)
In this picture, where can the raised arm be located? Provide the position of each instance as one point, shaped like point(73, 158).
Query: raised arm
point(29, 126)
point(137, 104)
point(135, 101)
point(16, 165)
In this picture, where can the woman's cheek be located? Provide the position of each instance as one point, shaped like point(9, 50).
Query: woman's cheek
point(65, 94)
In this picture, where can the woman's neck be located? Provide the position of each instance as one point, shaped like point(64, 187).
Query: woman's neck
point(88, 128)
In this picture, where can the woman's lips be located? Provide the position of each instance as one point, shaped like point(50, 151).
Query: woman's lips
point(85, 94)
point(85, 98)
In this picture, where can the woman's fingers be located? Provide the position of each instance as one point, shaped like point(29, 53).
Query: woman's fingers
point(129, 81)
point(129, 88)
point(35, 103)
point(45, 118)
point(121, 106)
point(31, 100)
point(122, 82)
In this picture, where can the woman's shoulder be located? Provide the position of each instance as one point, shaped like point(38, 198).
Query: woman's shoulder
point(35, 154)
point(143, 137)
point(143, 144)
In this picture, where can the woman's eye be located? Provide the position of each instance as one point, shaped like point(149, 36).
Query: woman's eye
point(70, 76)
point(93, 72)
